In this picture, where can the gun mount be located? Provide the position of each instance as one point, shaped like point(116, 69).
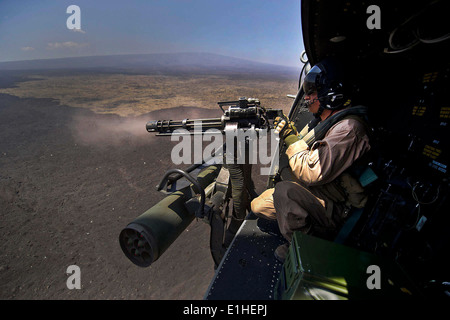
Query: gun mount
point(148, 236)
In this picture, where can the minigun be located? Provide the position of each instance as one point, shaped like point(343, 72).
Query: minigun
point(207, 192)
point(245, 113)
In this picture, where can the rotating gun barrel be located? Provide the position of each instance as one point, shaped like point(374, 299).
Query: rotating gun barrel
point(169, 126)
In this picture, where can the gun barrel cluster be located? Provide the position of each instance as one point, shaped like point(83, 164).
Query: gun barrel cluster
point(164, 126)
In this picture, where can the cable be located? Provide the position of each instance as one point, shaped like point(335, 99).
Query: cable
point(432, 41)
point(416, 198)
point(419, 202)
point(415, 33)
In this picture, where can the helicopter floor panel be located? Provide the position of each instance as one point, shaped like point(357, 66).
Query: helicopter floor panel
point(249, 270)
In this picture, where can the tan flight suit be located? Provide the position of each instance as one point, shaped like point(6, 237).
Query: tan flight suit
point(316, 202)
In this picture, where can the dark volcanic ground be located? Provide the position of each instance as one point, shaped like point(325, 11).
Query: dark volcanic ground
point(70, 181)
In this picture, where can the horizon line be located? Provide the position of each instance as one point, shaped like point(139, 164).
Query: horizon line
point(153, 53)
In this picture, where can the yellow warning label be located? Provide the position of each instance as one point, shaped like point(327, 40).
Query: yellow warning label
point(445, 113)
point(418, 111)
point(431, 152)
point(429, 77)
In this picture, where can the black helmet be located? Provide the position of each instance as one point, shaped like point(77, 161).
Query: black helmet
point(327, 80)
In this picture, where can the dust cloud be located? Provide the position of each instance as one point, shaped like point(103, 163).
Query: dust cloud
point(109, 131)
point(113, 130)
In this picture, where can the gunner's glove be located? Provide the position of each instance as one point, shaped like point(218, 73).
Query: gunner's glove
point(286, 129)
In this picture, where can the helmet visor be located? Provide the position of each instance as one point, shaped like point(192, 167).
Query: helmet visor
point(311, 81)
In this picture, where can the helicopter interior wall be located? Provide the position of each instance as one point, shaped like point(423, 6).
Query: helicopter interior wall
point(407, 100)
point(406, 217)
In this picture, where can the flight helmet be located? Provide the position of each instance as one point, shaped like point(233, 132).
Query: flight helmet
point(327, 79)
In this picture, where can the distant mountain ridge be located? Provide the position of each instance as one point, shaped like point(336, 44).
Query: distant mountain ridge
point(153, 61)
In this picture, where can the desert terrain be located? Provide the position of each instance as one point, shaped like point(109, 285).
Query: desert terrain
point(77, 165)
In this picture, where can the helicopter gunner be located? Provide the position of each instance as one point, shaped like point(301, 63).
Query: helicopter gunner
point(317, 197)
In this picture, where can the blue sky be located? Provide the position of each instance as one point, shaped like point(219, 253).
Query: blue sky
point(260, 30)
